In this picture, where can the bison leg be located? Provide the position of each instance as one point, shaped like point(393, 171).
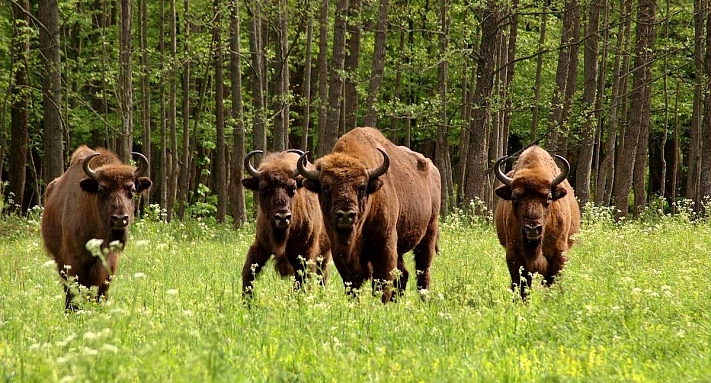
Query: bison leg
point(555, 265)
point(385, 271)
point(257, 256)
point(424, 253)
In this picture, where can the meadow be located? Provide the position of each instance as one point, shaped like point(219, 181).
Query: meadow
point(633, 305)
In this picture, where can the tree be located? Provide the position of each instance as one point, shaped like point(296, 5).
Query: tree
point(350, 65)
point(220, 165)
point(644, 41)
point(378, 68)
point(125, 92)
point(239, 210)
point(587, 131)
point(256, 54)
point(184, 180)
point(48, 17)
point(442, 149)
point(335, 77)
point(145, 90)
point(172, 111)
point(322, 69)
point(19, 112)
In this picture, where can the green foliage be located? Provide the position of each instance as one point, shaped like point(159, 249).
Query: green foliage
point(631, 306)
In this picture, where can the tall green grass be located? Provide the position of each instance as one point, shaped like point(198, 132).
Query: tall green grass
point(633, 305)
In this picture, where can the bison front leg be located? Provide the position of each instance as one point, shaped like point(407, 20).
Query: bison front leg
point(424, 254)
point(385, 272)
point(517, 270)
point(257, 256)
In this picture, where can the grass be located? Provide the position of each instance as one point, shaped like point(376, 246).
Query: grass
point(633, 305)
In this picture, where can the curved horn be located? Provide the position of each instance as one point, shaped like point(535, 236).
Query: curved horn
point(89, 172)
point(307, 173)
point(142, 162)
point(248, 164)
point(563, 173)
point(380, 170)
point(297, 151)
point(506, 180)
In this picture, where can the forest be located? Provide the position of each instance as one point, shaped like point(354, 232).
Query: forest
point(621, 88)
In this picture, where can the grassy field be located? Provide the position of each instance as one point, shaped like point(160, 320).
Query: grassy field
point(633, 305)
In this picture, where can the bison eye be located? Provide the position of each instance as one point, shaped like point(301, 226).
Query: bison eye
point(291, 190)
point(362, 190)
point(326, 189)
point(265, 192)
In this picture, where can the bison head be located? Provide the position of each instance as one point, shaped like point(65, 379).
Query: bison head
point(115, 186)
point(343, 185)
point(531, 196)
point(277, 186)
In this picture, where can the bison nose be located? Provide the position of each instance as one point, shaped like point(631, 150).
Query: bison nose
point(345, 218)
point(532, 231)
point(119, 221)
point(282, 219)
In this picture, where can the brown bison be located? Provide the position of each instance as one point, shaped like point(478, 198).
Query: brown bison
point(379, 201)
point(289, 222)
point(93, 199)
point(536, 217)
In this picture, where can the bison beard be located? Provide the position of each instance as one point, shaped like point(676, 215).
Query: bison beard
point(289, 223)
point(365, 187)
point(93, 199)
point(536, 217)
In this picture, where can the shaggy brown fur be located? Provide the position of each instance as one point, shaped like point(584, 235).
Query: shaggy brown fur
point(389, 215)
point(534, 221)
point(302, 247)
point(78, 209)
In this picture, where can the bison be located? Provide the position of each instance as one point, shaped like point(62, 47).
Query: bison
point(93, 199)
point(289, 222)
point(536, 216)
point(379, 201)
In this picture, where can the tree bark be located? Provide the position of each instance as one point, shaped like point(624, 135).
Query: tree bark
point(587, 130)
point(306, 90)
point(145, 92)
point(48, 15)
point(172, 122)
point(539, 68)
point(19, 112)
point(125, 92)
point(644, 43)
point(705, 171)
point(351, 65)
point(442, 148)
point(322, 65)
point(256, 54)
point(184, 183)
point(239, 210)
point(335, 86)
point(694, 159)
point(281, 80)
point(220, 163)
point(378, 68)
point(478, 185)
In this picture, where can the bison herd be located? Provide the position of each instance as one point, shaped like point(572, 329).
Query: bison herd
point(364, 205)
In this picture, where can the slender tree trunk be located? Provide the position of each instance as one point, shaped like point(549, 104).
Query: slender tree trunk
point(478, 185)
point(351, 65)
point(255, 47)
point(164, 168)
point(281, 80)
point(48, 15)
point(398, 86)
point(220, 163)
point(640, 106)
point(335, 86)
point(239, 210)
point(19, 110)
point(587, 133)
point(676, 163)
point(145, 92)
point(539, 68)
point(172, 122)
point(694, 165)
point(322, 65)
point(184, 183)
point(600, 97)
point(442, 150)
point(510, 72)
point(378, 68)
point(125, 93)
point(306, 94)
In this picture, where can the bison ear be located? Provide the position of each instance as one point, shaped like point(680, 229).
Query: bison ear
point(312, 186)
point(250, 183)
point(89, 185)
point(558, 192)
point(143, 183)
point(374, 185)
point(299, 181)
point(504, 192)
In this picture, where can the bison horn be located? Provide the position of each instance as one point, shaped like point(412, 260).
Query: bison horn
point(142, 162)
point(307, 173)
point(380, 170)
point(248, 164)
point(563, 173)
point(299, 152)
point(506, 180)
point(87, 169)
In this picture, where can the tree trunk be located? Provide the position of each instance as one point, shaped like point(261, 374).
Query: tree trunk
point(164, 166)
point(306, 90)
point(281, 80)
point(335, 79)
point(48, 15)
point(351, 65)
point(19, 112)
point(145, 93)
point(478, 185)
point(640, 105)
point(322, 65)
point(174, 167)
point(587, 130)
point(125, 92)
point(378, 68)
point(239, 210)
point(694, 162)
point(255, 47)
point(184, 183)
point(220, 163)
point(705, 171)
point(539, 68)
point(442, 149)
